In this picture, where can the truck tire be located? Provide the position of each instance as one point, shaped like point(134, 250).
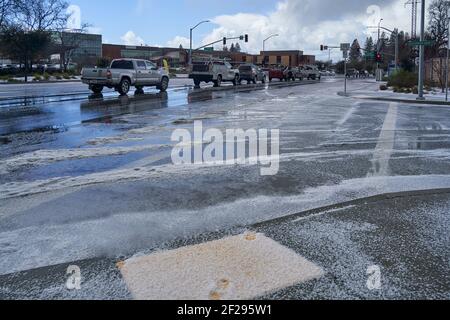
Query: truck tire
point(124, 86)
point(218, 82)
point(139, 90)
point(97, 89)
point(163, 85)
point(236, 80)
point(254, 80)
point(197, 83)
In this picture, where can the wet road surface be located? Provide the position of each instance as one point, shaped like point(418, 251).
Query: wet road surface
point(102, 188)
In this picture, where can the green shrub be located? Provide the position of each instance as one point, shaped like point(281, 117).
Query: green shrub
point(66, 76)
point(408, 90)
point(383, 87)
point(403, 79)
point(37, 78)
point(396, 89)
point(46, 76)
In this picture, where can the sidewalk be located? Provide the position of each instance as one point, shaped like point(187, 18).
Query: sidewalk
point(431, 98)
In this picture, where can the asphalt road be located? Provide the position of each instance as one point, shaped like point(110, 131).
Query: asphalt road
point(360, 184)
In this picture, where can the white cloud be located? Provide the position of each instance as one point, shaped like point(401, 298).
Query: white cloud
point(131, 39)
point(175, 42)
point(74, 21)
point(307, 24)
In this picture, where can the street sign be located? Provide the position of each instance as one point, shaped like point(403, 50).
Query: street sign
point(416, 43)
point(345, 54)
point(370, 55)
point(209, 49)
point(345, 46)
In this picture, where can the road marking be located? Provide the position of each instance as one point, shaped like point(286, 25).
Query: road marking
point(348, 114)
point(240, 267)
point(385, 146)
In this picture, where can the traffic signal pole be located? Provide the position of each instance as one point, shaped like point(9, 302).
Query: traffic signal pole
point(224, 40)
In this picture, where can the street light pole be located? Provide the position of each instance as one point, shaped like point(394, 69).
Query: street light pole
point(190, 39)
point(422, 53)
point(268, 38)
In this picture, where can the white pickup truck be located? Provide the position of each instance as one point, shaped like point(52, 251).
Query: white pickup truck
point(124, 73)
point(215, 72)
point(310, 72)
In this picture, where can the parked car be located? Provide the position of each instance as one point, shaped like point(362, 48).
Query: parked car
point(276, 74)
point(124, 73)
point(310, 72)
point(293, 73)
point(215, 72)
point(251, 73)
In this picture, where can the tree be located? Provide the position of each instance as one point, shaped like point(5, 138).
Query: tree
point(225, 48)
point(232, 48)
point(369, 46)
point(237, 47)
point(355, 52)
point(28, 34)
point(6, 12)
point(438, 23)
point(27, 46)
point(67, 42)
point(40, 15)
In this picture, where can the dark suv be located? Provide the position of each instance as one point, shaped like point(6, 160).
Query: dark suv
point(251, 73)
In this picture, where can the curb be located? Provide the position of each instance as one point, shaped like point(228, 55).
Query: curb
point(387, 99)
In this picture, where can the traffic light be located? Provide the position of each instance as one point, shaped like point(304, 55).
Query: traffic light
point(246, 38)
point(378, 57)
point(224, 41)
point(321, 47)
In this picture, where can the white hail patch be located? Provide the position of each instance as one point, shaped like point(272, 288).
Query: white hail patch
point(240, 267)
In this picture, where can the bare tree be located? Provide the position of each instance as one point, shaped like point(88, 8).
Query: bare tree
point(68, 40)
point(5, 12)
point(41, 15)
point(438, 23)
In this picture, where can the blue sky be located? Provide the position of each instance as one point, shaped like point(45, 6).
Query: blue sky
point(158, 22)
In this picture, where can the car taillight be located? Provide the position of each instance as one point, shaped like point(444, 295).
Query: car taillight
point(108, 75)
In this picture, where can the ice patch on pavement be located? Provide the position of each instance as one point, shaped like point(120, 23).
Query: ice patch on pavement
point(129, 233)
point(42, 157)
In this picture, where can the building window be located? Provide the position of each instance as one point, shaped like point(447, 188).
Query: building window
point(278, 59)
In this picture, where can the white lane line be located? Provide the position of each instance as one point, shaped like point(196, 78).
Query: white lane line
point(348, 114)
point(241, 267)
point(385, 146)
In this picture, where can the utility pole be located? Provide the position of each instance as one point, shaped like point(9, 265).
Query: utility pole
point(446, 62)
point(422, 53)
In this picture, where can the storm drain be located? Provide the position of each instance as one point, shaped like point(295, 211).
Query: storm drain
point(240, 267)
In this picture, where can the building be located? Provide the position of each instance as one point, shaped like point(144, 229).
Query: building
point(176, 57)
point(286, 58)
point(83, 48)
point(307, 59)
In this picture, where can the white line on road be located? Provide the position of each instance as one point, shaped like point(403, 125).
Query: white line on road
point(385, 146)
point(348, 114)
